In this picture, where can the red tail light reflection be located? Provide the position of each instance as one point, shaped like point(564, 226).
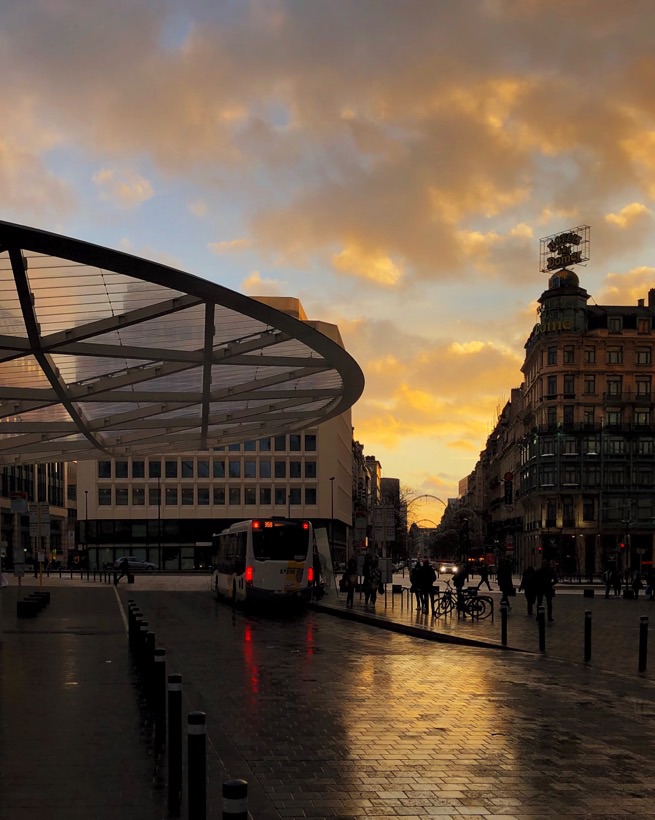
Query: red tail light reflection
point(310, 574)
point(249, 574)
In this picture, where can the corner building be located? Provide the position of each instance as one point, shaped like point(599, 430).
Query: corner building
point(568, 473)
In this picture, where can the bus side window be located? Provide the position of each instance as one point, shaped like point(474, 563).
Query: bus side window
point(240, 553)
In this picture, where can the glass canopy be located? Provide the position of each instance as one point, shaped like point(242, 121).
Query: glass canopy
point(106, 353)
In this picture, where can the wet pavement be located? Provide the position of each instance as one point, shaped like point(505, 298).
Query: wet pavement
point(328, 716)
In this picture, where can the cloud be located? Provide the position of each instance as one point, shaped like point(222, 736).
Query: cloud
point(126, 189)
point(229, 246)
point(254, 285)
point(628, 214)
point(626, 288)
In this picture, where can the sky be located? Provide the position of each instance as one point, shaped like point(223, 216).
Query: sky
point(391, 163)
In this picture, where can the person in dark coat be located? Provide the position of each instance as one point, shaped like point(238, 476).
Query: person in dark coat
point(350, 578)
point(415, 581)
point(484, 576)
point(426, 578)
point(460, 577)
point(529, 587)
point(546, 578)
point(505, 581)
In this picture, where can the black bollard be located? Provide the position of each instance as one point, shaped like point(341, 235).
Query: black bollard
point(141, 644)
point(503, 624)
point(174, 741)
point(643, 643)
point(541, 618)
point(159, 693)
point(148, 664)
point(587, 635)
point(235, 800)
point(197, 765)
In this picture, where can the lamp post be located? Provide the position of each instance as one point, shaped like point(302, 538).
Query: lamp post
point(332, 516)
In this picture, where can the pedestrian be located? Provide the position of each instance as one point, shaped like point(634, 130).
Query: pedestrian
point(375, 582)
point(650, 584)
point(607, 580)
point(637, 584)
point(505, 581)
point(460, 576)
point(484, 576)
point(546, 579)
point(415, 585)
point(617, 582)
point(529, 587)
point(124, 567)
point(426, 578)
point(351, 581)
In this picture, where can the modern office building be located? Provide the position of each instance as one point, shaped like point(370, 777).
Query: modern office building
point(568, 473)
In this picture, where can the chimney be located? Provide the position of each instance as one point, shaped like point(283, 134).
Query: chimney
point(640, 302)
point(651, 297)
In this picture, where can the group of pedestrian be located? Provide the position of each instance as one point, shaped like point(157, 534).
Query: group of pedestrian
point(538, 585)
point(422, 578)
point(615, 580)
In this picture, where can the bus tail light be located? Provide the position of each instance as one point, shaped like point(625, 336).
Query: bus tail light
point(310, 574)
point(305, 525)
point(249, 574)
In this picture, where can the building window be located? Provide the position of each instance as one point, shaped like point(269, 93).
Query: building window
point(249, 469)
point(588, 508)
point(154, 496)
point(280, 469)
point(570, 446)
point(171, 469)
point(310, 469)
point(187, 468)
point(614, 355)
point(552, 355)
point(643, 386)
point(591, 445)
point(280, 443)
point(250, 446)
point(295, 469)
point(547, 475)
point(644, 477)
point(615, 446)
point(614, 324)
point(645, 446)
point(643, 355)
point(280, 495)
point(551, 416)
point(104, 469)
point(568, 355)
point(234, 469)
point(592, 475)
point(547, 446)
point(235, 495)
point(234, 448)
point(615, 476)
point(265, 468)
point(121, 469)
point(294, 442)
point(154, 469)
point(187, 496)
point(265, 496)
point(588, 415)
point(568, 413)
point(294, 496)
point(219, 495)
point(250, 496)
point(138, 469)
point(569, 385)
point(643, 325)
point(613, 417)
point(138, 496)
point(590, 385)
point(589, 355)
point(551, 387)
point(219, 468)
point(203, 496)
point(170, 496)
point(614, 385)
point(571, 475)
point(310, 495)
point(203, 468)
point(122, 497)
point(310, 443)
point(264, 445)
point(104, 496)
point(642, 417)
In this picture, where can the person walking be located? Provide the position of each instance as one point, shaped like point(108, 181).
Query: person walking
point(350, 576)
point(426, 578)
point(546, 578)
point(505, 581)
point(125, 570)
point(415, 585)
point(483, 569)
point(528, 587)
point(375, 582)
point(617, 582)
point(460, 576)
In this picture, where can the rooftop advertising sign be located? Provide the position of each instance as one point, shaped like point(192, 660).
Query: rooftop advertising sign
point(558, 251)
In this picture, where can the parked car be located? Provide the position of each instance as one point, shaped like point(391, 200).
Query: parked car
point(134, 563)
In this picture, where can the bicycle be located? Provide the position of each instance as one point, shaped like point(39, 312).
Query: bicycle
point(475, 606)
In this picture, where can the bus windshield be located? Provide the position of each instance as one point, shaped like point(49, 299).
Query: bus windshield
point(280, 542)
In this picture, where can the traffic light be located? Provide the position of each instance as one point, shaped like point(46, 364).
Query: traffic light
point(621, 545)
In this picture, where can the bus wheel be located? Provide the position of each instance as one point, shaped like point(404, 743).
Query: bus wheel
point(234, 594)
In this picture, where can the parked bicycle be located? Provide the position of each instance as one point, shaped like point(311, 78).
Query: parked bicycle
point(476, 606)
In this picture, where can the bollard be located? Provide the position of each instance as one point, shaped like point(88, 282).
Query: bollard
point(541, 618)
point(159, 692)
point(174, 741)
point(137, 617)
point(587, 636)
point(148, 663)
point(197, 765)
point(235, 800)
point(643, 643)
point(141, 643)
point(503, 624)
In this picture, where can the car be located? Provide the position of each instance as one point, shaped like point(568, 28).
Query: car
point(448, 567)
point(134, 563)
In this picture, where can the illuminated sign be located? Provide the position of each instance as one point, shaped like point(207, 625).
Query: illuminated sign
point(567, 248)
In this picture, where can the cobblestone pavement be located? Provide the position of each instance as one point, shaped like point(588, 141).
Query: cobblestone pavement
point(327, 717)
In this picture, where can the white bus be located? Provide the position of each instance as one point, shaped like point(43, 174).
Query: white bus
point(264, 558)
